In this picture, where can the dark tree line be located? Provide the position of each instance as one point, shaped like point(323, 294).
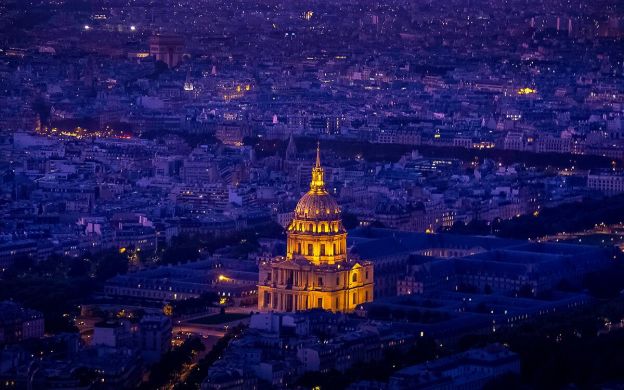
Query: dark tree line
point(186, 248)
point(392, 152)
point(563, 349)
point(200, 371)
point(569, 217)
point(58, 284)
point(172, 363)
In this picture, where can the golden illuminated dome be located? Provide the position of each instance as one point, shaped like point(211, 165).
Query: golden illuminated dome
point(316, 233)
point(317, 272)
point(317, 204)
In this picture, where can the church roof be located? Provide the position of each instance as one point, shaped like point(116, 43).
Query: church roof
point(317, 204)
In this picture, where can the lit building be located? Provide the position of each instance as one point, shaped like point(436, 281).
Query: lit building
point(608, 181)
point(317, 271)
point(18, 323)
point(167, 48)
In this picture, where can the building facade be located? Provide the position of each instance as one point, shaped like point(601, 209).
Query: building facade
point(317, 271)
point(610, 182)
point(167, 48)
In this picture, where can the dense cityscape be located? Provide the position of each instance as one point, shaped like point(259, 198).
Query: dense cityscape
point(310, 194)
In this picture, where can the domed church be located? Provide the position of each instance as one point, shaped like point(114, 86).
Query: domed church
point(317, 271)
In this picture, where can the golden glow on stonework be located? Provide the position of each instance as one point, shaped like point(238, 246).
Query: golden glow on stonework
point(526, 91)
point(316, 272)
point(316, 232)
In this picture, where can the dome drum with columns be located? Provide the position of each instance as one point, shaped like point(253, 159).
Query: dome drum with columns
point(316, 272)
point(316, 231)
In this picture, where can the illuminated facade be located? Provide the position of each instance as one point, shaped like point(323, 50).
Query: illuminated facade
point(167, 48)
point(317, 271)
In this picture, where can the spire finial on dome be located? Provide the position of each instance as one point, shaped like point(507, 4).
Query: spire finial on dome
point(318, 154)
point(318, 182)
